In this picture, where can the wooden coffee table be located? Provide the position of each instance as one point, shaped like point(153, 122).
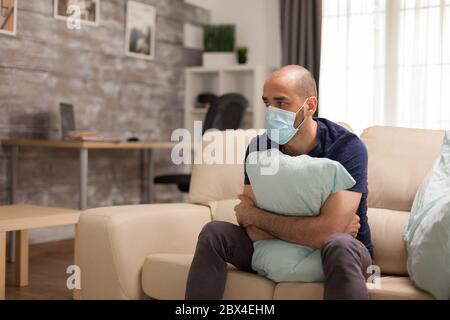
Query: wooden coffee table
point(20, 219)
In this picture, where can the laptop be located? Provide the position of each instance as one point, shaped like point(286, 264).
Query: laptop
point(67, 119)
point(68, 128)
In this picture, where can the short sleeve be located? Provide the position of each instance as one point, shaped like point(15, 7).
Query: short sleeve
point(258, 143)
point(246, 179)
point(353, 156)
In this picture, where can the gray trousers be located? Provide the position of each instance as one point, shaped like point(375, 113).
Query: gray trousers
point(344, 259)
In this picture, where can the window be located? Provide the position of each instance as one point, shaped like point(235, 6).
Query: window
point(386, 62)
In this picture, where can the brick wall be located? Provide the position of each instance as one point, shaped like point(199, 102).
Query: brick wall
point(46, 63)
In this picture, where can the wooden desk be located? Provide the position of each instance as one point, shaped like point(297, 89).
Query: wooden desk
point(84, 147)
point(20, 219)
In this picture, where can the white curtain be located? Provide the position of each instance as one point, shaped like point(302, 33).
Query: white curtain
point(386, 62)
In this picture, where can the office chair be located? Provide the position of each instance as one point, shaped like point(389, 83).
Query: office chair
point(226, 112)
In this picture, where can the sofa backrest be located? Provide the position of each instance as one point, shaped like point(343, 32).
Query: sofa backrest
point(399, 159)
point(219, 181)
point(220, 175)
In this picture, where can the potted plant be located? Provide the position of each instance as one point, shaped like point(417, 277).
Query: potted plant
point(242, 54)
point(219, 44)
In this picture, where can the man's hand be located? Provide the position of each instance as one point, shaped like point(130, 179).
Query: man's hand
point(244, 211)
point(245, 208)
point(353, 227)
point(335, 216)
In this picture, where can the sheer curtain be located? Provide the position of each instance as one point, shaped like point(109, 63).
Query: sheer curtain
point(386, 62)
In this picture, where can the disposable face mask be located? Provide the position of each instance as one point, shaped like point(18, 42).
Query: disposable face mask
point(280, 124)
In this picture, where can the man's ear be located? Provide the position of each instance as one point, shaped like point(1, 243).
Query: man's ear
point(311, 106)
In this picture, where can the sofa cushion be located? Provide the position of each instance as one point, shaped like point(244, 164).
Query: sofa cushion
point(164, 277)
point(220, 176)
point(223, 210)
point(298, 291)
point(399, 159)
point(427, 237)
point(294, 186)
point(397, 288)
point(387, 229)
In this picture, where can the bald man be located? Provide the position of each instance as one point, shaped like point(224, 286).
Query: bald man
point(341, 231)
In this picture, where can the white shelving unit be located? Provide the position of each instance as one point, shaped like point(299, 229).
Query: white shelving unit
point(244, 79)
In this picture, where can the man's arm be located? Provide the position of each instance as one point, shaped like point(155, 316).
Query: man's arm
point(335, 217)
point(254, 233)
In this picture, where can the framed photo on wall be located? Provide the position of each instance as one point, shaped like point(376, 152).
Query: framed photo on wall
point(8, 17)
point(89, 10)
point(140, 30)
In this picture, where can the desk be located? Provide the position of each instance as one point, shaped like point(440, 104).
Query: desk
point(20, 219)
point(83, 149)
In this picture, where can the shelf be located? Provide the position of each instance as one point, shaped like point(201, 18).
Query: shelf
point(247, 80)
point(203, 111)
point(235, 68)
point(197, 70)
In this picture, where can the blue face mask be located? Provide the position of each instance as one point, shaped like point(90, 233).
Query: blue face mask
point(280, 124)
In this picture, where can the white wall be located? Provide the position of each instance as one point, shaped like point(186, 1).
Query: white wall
point(257, 26)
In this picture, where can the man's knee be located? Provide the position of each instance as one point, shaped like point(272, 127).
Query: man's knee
point(340, 248)
point(339, 241)
point(216, 232)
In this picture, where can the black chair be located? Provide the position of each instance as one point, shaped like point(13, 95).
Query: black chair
point(226, 112)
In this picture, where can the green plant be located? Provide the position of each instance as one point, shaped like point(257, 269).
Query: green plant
point(242, 54)
point(219, 38)
point(242, 50)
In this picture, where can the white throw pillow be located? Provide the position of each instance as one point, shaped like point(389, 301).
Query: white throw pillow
point(427, 235)
point(299, 187)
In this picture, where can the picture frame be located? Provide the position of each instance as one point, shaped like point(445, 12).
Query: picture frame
point(8, 17)
point(90, 10)
point(140, 30)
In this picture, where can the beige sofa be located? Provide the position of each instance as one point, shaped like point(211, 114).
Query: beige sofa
point(132, 252)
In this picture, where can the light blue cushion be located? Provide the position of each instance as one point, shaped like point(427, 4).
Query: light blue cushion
point(427, 235)
point(299, 187)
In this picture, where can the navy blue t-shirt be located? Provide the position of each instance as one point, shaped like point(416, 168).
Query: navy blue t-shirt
point(336, 143)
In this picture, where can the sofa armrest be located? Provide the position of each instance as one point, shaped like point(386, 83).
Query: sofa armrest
point(113, 242)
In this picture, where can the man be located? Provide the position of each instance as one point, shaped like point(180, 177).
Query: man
point(292, 91)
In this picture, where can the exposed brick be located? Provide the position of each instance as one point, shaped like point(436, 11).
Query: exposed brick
point(46, 64)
